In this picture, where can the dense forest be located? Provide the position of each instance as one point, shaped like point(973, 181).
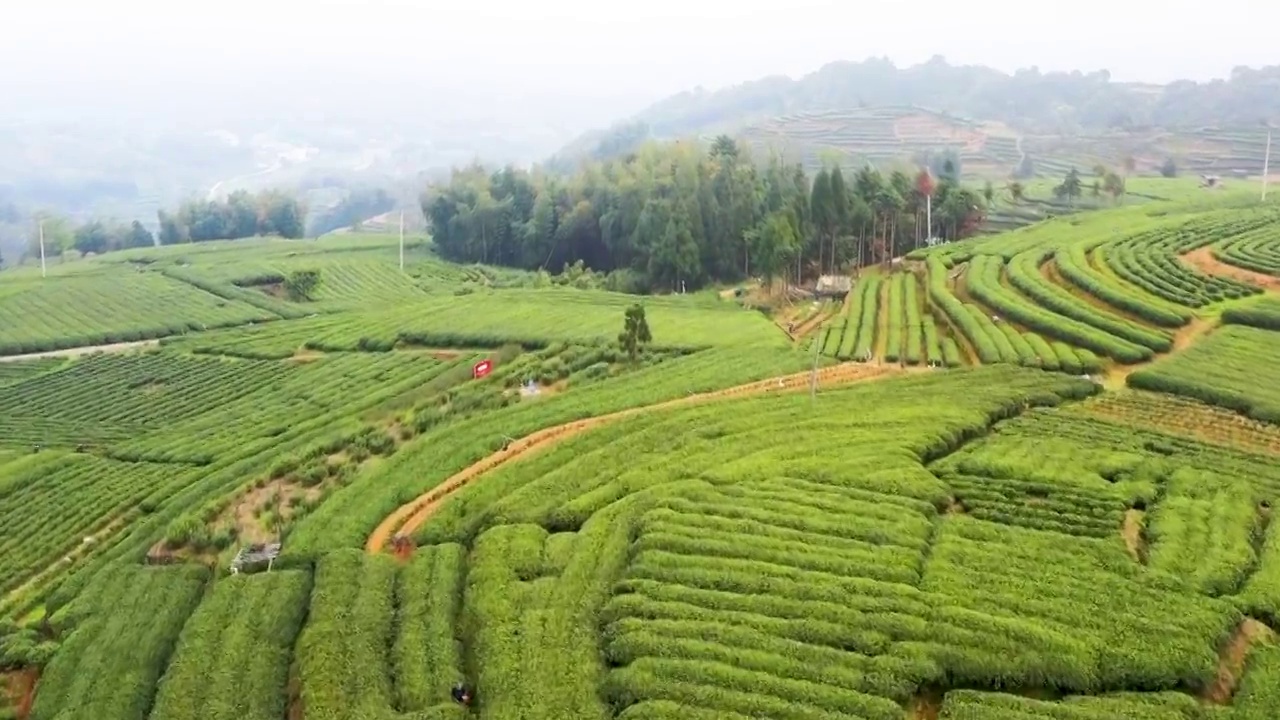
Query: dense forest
point(1029, 100)
point(678, 215)
point(241, 215)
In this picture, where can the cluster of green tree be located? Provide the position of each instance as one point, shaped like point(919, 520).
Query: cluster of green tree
point(97, 236)
point(1105, 181)
point(241, 215)
point(358, 205)
point(673, 216)
point(1046, 102)
point(61, 236)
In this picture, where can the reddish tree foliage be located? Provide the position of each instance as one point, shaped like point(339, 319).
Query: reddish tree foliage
point(924, 183)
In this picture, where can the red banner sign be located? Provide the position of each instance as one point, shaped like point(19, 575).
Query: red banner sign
point(481, 369)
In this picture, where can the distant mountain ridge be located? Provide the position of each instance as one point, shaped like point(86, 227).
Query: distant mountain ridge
point(1195, 122)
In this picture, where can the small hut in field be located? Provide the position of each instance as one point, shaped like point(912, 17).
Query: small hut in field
point(833, 286)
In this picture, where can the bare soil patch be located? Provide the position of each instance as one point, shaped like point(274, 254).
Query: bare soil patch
point(278, 495)
point(20, 690)
point(1134, 541)
point(930, 130)
point(295, 695)
point(1185, 337)
point(1231, 661)
point(812, 323)
point(926, 706)
point(275, 290)
point(409, 517)
point(87, 350)
point(305, 355)
point(1204, 261)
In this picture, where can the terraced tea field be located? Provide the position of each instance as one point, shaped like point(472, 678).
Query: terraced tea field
point(942, 519)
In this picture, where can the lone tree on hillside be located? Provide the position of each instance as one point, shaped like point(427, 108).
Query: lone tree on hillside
point(635, 331)
point(1113, 185)
point(1169, 169)
point(1016, 191)
point(1070, 187)
point(301, 283)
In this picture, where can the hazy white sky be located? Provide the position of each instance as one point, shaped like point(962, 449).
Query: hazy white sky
point(628, 53)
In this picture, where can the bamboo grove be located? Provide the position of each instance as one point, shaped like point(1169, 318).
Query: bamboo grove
point(673, 216)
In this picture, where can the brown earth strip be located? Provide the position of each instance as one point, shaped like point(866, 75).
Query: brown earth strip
point(409, 517)
point(1231, 661)
point(20, 689)
point(1185, 337)
point(1134, 541)
point(86, 350)
point(926, 706)
point(1204, 261)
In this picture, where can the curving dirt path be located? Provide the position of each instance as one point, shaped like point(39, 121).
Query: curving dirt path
point(78, 351)
point(1204, 261)
point(1185, 337)
point(20, 687)
point(1132, 533)
point(409, 517)
point(1231, 661)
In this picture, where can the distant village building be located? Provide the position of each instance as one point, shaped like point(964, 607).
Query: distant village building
point(833, 286)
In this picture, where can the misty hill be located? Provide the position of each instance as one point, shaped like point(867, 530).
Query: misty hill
point(876, 111)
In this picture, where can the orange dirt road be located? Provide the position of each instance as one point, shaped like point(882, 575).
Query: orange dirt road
point(409, 517)
point(1231, 662)
point(1204, 261)
point(20, 687)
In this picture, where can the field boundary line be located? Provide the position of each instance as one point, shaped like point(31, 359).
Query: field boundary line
point(412, 515)
point(83, 350)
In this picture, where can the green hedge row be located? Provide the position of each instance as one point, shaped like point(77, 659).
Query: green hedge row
point(1073, 263)
point(109, 666)
point(1264, 314)
point(893, 347)
point(984, 284)
point(1024, 274)
point(864, 345)
point(942, 299)
point(238, 644)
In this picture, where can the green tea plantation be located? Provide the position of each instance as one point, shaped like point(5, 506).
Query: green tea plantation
point(1024, 475)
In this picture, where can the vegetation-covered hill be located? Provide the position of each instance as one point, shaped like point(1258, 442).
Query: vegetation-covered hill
point(875, 111)
point(672, 515)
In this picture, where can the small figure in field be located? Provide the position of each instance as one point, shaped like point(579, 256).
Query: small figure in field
point(462, 694)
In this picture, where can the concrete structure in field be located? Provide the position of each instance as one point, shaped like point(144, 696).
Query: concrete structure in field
point(255, 557)
point(836, 286)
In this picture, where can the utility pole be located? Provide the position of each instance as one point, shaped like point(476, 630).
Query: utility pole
point(43, 274)
point(1266, 165)
point(401, 241)
point(928, 205)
